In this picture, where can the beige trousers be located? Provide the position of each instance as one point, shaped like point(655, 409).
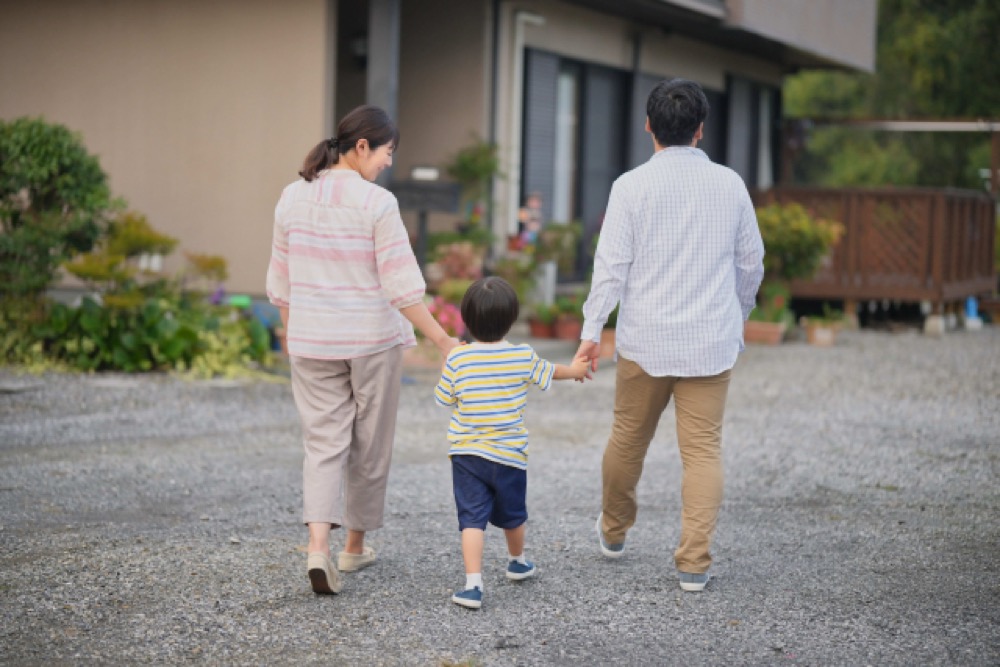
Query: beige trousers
point(348, 412)
point(699, 404)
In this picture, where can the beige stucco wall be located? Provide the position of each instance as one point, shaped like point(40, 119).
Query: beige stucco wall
point(444, 80)
point(199, 111)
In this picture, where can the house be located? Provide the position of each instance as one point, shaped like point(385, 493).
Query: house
point(202, 111)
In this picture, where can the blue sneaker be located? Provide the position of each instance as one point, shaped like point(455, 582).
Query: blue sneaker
point(516, 571)
point(470, 598)
point(609, 550)
point(693, 583)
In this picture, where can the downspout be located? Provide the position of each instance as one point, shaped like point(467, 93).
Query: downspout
point(492, 130)
point(521, 18)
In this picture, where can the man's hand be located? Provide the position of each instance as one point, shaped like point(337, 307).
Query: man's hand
point(591, 351)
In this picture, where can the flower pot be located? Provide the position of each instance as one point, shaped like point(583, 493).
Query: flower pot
point(765, 333)
point(568, 328)
point(823, 335)
point(607, 343)
point(539, 329)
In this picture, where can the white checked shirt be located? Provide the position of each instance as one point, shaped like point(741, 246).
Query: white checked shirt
point(681, 250)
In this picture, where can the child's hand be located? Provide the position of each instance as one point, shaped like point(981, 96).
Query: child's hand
point(580, 368)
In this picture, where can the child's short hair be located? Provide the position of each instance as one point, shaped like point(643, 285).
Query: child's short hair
point(489, 309)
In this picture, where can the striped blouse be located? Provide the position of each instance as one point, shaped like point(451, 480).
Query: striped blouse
point(487, 383)
point(341, 262)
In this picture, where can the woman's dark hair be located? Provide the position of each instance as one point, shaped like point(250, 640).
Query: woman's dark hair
point(675, 109)
point(364, 122)
point(489, 309)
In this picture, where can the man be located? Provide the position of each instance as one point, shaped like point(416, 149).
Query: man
point(681, 252)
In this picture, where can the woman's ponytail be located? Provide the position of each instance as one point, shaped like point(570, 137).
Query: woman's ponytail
point(365, 122)
point(323, 154)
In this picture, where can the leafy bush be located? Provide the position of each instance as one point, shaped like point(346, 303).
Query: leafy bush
point(54, 203)
point(162, 333)
point(795, 242)
point(137, 320)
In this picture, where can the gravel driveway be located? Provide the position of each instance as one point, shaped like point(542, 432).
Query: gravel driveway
point(149, 519)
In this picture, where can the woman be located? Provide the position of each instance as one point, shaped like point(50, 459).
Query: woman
point(346, 281)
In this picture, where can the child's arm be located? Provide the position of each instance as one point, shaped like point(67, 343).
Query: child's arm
point(444, 392)
point(577, 370)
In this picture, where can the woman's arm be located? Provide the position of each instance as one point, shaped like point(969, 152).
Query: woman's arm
point(421, 318)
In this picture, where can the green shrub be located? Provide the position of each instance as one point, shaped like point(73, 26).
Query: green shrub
point(161, 333)
point(140, 320)
point(795, 242)
point(54, 203)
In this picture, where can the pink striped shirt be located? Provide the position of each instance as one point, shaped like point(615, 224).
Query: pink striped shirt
point(341, 262)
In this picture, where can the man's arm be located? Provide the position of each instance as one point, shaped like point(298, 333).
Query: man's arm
point(612, 261)
point(749, 257)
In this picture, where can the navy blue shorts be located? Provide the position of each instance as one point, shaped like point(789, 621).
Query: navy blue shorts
point(486, 491)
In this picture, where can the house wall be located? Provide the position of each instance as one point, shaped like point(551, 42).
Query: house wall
point(591, 36)
point(444, 86)
point(199, 111)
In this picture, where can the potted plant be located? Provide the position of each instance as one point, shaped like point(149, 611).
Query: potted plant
point(822, 330)
point(557, 243)
point(473, 167)
point(795, 243)
point(569, 321)
point(771, 318)
point(542, 320)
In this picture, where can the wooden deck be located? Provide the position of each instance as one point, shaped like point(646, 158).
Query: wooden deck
point(902, 244)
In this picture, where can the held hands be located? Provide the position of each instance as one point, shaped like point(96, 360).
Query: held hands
point(589, 351)
point(579, 369)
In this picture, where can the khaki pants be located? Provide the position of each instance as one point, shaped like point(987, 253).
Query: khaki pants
point(348, 412)
point(699, 403)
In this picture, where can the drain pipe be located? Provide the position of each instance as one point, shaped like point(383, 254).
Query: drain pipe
point(521, 18)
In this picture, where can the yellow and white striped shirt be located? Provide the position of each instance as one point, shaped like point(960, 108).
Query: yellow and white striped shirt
point(487, 383)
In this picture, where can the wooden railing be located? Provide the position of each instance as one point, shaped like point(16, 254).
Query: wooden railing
point(909, 244)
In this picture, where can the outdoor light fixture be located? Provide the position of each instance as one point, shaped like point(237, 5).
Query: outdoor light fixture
point(425, 173)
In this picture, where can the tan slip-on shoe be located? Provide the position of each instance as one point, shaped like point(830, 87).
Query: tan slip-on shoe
point(352, 562)
point(322, 575)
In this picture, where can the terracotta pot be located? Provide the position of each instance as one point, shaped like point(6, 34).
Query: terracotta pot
point(539, 329)
point(607, 343)
point(823, 335)
point(766, 333)
point(568, 328)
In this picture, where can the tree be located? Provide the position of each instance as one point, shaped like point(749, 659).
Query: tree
point(54, 203)
point(934, 60)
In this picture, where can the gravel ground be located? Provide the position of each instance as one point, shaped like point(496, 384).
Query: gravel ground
point(149, 519)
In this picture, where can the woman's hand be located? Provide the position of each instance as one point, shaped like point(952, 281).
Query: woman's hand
point(425, 323)
point(447, 344)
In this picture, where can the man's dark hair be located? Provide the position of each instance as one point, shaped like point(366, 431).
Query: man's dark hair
point(489, 309)
point(675, 109)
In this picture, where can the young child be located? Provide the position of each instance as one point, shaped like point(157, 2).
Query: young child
point(487, 383)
